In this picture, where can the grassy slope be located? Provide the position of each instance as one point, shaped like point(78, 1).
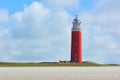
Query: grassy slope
point(3, 64)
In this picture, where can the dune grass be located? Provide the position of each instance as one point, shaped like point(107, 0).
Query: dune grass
point(10, 64)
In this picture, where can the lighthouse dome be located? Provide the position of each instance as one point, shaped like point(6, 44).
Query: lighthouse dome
point(76, 24)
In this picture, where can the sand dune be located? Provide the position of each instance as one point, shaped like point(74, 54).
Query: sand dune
point(59, 73)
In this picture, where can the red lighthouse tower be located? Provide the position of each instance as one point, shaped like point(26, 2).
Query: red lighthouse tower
point(76, 42)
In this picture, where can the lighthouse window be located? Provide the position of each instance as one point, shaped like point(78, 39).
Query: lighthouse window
point(75, 59)
point(75, 43)
point(75, 55)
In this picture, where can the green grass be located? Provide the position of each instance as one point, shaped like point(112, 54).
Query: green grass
point(88, 63)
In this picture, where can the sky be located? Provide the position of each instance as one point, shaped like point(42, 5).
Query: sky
point(40, 30)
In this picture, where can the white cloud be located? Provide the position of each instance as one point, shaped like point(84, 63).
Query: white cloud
point(108, 5)
point(103, 36)
point(37, 33)
point(3, 15)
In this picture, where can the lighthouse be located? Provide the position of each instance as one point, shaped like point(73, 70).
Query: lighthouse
point(76, 41)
